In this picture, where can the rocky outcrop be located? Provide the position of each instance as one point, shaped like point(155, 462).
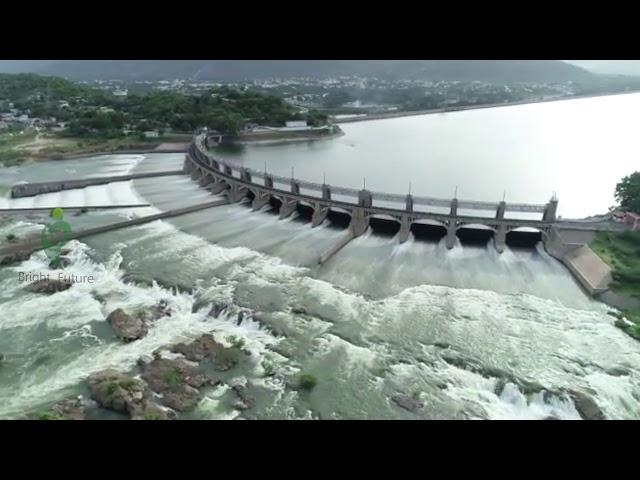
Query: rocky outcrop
point(125, 326)
point(178, 383)
point(121, 393)
point(49, 286)
point(206, 347)
point(71, 408)
point(503, 377)
point(245, 399)
point(586, 406)
point(59, 262)
point(217, 309)
point(14, 258)
point(408, 403)
point(162, 309)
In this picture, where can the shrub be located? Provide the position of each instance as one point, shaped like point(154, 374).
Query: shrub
point(12, 238)
point(308, 381)
point(171, 378)
point(50, 416)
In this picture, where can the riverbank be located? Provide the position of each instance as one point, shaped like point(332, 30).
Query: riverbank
point(22, 148)
point(620, 251)
point(396, 114)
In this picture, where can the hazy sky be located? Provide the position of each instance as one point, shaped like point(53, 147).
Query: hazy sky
point(620, 67)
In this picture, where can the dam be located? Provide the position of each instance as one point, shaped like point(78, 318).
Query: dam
point(362, 206)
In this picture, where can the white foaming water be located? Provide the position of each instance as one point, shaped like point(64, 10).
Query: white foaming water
point(371, 321)
point(73, 310)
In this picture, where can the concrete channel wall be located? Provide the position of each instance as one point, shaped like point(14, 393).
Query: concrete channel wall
point(32, 189)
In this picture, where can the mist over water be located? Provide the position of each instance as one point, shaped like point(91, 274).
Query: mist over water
point(461, 330)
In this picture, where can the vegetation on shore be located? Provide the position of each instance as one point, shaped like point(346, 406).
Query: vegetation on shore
point(621, 251)
point(98, 113)
point(628, 192)
point(49, 117)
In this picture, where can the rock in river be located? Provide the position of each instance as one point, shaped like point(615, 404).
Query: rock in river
point(125, 326)
point(206, 346)
point(586, 406)
point(16, 257)
point(245, 399)
point(178, 382)
point(49, 286)
point(408, 403)
point(71, 408)
point(119, 392)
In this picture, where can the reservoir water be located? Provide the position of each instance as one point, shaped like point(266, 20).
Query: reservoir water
point(459, 331)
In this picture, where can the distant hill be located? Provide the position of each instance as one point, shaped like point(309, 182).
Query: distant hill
point(498, 71)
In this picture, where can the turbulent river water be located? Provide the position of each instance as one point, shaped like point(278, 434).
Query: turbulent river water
point(460, 331)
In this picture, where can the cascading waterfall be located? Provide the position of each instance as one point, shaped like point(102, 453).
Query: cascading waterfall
point(461, 331)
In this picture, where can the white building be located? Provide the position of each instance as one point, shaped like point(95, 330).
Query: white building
point(296, 124)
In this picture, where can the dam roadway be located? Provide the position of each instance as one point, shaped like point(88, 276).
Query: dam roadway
point(363, 206)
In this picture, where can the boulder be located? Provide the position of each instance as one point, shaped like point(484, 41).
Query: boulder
point(299, 310)
point(408, 403)
point(60, 262)
point(14, 258)
point(178, 382)
point(119, 392)
point(217, 309)
point(206, 347)
point(152, 411)
point(586, 406)
point(70, 408)
point(125, 326)
point(49, 286)
point(245, 399)
point(162, 309)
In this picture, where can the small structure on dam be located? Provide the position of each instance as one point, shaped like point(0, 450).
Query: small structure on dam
point(237, 183)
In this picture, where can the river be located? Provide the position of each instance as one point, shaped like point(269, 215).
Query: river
point(459, 331)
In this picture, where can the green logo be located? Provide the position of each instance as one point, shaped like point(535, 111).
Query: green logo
point(54, 236)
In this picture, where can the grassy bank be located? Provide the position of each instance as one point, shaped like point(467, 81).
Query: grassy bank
point(19, 148)
point(621, 251)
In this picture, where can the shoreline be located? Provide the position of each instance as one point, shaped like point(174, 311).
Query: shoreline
point(414, 113)
point(100, 153)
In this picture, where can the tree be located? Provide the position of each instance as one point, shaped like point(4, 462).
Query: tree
point(628, 192)
point(337, 99)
